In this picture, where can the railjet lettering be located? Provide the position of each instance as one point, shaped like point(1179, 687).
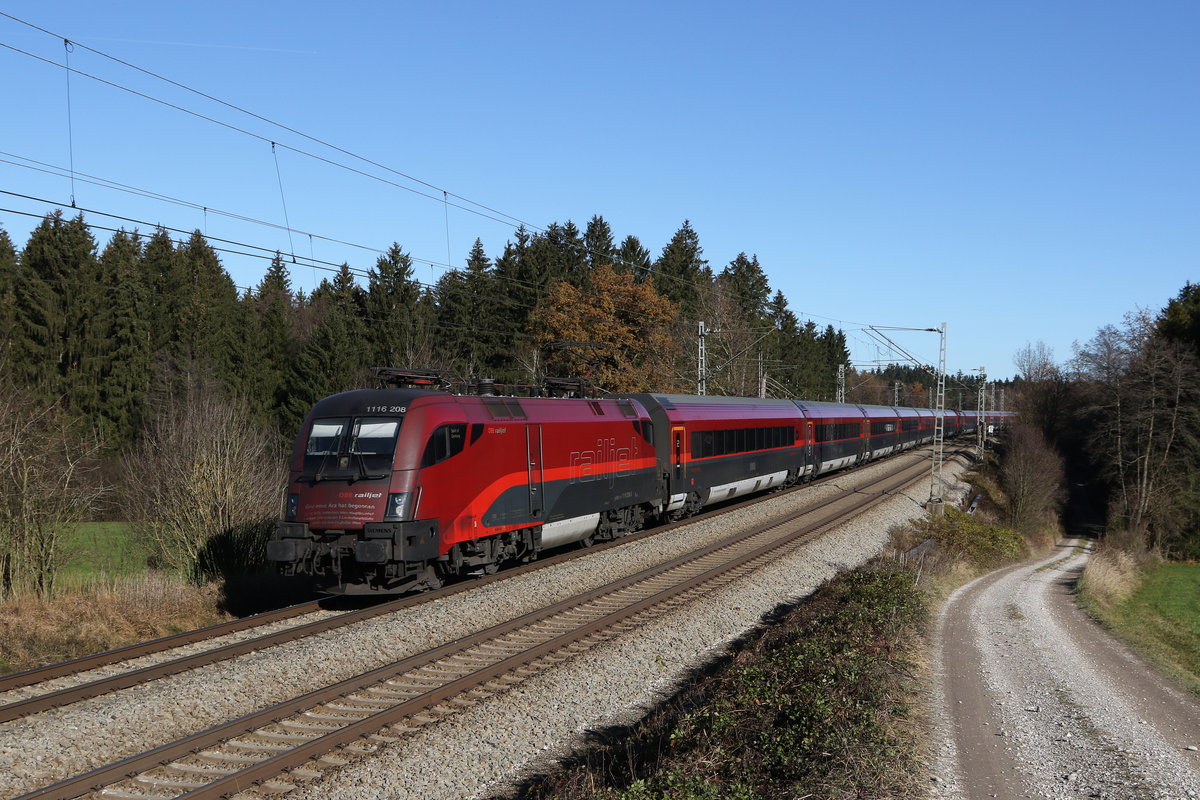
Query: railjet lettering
point(584, 463)
point(360, 495)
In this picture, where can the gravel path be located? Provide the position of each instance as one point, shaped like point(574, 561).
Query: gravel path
point(1037, 701)
point(495, 742)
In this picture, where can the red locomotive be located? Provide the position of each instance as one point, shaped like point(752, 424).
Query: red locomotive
point(398, 489)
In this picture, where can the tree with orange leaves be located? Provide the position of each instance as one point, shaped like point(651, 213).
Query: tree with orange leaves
point(615, 332)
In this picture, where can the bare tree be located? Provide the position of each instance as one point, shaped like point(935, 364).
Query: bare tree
point(1043, 389)
point(1032, 473)
point(1144, 412)
point(48, 467)
point(1035, 362)
point(204, 480)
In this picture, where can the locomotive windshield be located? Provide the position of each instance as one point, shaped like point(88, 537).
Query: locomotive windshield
point(350, 447)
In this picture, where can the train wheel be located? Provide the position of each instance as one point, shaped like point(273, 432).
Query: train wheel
point(431, 579)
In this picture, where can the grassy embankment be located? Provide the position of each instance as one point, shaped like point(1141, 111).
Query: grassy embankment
point(824, 702)
point(1152, 605)
point(106, 597)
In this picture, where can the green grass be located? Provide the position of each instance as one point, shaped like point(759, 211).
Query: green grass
point(98, 551)
point(1162, 619)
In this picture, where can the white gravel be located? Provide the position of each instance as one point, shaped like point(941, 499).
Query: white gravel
point(1071, 731)
point(486, 751)
point(615, 682)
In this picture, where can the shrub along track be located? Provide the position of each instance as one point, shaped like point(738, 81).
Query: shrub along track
point(418, 690)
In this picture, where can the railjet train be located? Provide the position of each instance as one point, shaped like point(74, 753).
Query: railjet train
point(397, 489)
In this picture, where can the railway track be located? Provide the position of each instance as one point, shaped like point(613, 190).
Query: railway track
point(304, 736)
point(36, 699)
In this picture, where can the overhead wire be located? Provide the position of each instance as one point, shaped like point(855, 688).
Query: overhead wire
point(493, 214)
point(267, 120)
point(446, 193)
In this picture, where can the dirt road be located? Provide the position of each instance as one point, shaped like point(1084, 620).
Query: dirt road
point(1036, 700)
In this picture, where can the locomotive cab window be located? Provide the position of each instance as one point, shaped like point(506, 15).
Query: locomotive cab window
point(371, 441)
point(445, 442)
point(374, 437)
point(325, 437)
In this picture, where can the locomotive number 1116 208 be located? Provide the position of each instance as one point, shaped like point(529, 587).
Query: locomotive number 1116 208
point(385, 409)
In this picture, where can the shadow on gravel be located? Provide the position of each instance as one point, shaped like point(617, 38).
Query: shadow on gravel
point(243, 594)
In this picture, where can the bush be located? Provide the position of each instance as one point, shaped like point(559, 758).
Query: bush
point(815, 706)
point(204, 485)
point(962, 536)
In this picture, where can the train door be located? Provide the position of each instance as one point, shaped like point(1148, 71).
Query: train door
point(533, 448)
point(677, 455)
point(811, 454)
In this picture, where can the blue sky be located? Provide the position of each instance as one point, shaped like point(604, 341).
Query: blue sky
point(1022, 171)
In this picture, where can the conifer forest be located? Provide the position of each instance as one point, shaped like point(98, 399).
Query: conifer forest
point(141, 383)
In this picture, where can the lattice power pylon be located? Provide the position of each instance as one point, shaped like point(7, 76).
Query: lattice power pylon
point(939, 426)
point(981, 414)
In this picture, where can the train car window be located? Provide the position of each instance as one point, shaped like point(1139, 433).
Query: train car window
point(446, 441)
point(741, 440)
point(476, 431)
point(835, 431)
point(880, 428)
point(909, 424)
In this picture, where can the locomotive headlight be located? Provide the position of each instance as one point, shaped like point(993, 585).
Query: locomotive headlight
point(398, 506)
point(293, 507)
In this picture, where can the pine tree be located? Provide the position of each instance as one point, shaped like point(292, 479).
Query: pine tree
point(680, 272)
point(745, 280)
point(633, 257)
point(208, 328)
point(833, 351)
point(275, 309)
point(391, 308)
point(466, 303)
point(124, 329)
point(9, 272)
point(784, 346)
point(1180, 320)
point(598, 242)
point(159, 271)
point(331, 361)
point(56, 289)
point(522, 292)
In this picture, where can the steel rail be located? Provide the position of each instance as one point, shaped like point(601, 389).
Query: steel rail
point(62, 697)
point(84, 663)
point(174, 751)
